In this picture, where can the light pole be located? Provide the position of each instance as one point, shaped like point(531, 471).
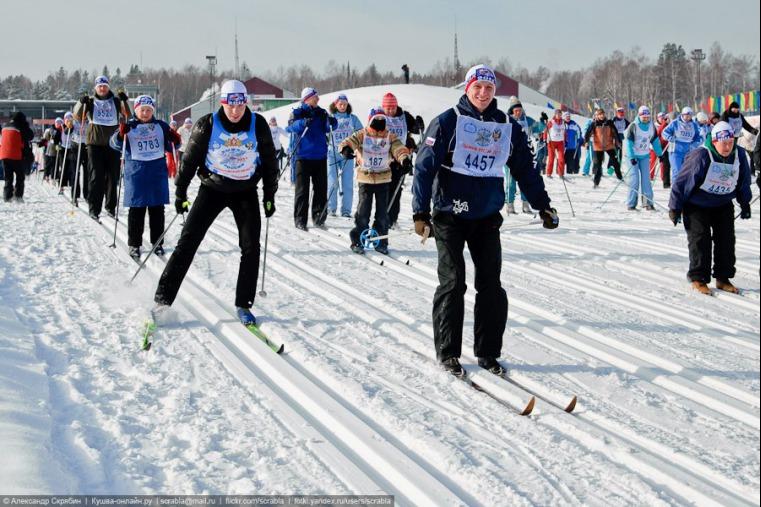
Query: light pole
point(697, 56)
point(212, 69)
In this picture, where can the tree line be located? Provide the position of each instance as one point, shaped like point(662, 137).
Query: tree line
point(670, 77)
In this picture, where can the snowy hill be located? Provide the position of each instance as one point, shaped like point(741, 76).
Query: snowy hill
point(667, 380)
point(424, 100)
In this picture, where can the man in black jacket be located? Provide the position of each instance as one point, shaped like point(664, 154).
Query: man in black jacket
point(230, 150)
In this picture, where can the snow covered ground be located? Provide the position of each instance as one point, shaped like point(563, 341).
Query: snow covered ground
point(667, 379)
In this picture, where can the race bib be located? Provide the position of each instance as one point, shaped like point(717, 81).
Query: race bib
point(482, 147)
point(397, 125)
point(557, 132)
point(146, 142)
point(642, 140)
point(684, 132)
point(104, 113)
point(737, 125)
point(233, 156)
point(344, 129)
point(375, 153)
point(620, 125)
point(721, 179)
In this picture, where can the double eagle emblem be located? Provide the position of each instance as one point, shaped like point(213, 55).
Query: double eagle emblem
point(484, 136)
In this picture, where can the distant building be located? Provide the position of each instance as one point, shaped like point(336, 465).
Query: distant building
point(38, 112)
point(262, 96)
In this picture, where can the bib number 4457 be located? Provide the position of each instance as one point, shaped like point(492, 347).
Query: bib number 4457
point(480, 162)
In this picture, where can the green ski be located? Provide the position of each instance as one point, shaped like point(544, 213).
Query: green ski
point(278, 349)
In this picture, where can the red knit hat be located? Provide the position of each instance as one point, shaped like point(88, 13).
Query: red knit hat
point(389, 100)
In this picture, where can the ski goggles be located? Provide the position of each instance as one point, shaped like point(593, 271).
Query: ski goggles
point(645, 112)
point(234, 99)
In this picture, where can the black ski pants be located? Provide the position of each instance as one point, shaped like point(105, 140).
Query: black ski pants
point(14, 174)
point(706, 228)
point(482, 238)
point(365, 194)
point(208, 204)
point(136, 224)
point(316, 172)
point(598, 157)
point(104, 178)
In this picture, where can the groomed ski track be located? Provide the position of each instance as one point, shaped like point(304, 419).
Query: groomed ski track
point(668, 396)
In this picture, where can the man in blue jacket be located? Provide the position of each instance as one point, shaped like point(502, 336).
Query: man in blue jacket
point(701, 197)
point(459, 167)
point(683, 135)
point(310, 125)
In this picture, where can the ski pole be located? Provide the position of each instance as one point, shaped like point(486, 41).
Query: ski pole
point(292, 152)
point(614, 189)
point(339, 172)
point(153, 248)
point(55, 165)
point(751, 204)
point(76, 167)
point(63, 164)
point(396, 191)
point(573, 214)
point(651, 201)
point(263, 292)
point(119, 190)
point(426, 234)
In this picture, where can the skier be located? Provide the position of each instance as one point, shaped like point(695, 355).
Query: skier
point(145, 172)
point(604, 138)
point(171, 152)
point(15, 155)
point(338, 166)
point(541, 145)
point(375, 147)
point(701, 198)
point(714, 118)
point(104, 110)
point(184, 132)
point(555, 134)
point(588, 152)
point(572, 143)
point(621, 123)
point(51, 141)
point(403, 124)
point(639, 136)
point(459, 166)
point(78, 147)
point(704, 126)
point(738, 122)
point(662, 121)
point(311, 126)
point(230, 150)
point(276, 132)
point(683, 135)
point(68, 154)
point(530, 127)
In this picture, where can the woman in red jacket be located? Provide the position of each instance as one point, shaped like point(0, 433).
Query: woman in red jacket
point(16, 154)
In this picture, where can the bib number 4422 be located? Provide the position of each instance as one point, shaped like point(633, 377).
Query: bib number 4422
point(480, 162)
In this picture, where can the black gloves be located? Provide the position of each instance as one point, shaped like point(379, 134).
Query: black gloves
point(181, 203)
point(407, 165)
point(269, 205)
point(347, 152)
point(634, 161)
point(675, 216)
point(123, 97)
point(549, 218)
point(85, 99)
point(745, 211)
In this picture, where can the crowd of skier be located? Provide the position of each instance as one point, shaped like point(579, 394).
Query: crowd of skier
point(466, 166)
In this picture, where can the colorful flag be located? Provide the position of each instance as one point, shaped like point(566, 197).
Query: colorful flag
point(632, 105)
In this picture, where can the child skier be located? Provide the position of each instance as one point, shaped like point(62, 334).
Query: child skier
point(376, 148)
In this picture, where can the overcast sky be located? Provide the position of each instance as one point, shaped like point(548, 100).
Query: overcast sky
point(40, 35)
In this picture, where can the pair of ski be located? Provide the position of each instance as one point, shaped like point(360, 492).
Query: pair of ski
point(526, 409)
point(150, 328)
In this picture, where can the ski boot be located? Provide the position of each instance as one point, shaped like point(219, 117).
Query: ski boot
point(527, 208)
point(245, 316)
point(491, 365)
point(382, 249)
point(726, 286)
point(453, 367)
point(510, 207)
point(134, 252)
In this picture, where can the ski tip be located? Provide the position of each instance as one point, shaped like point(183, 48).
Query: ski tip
point(529, 407)
point(381, 263)
point(281, 349)
point(146, 346)
point(572, 405)
point(407, 262)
